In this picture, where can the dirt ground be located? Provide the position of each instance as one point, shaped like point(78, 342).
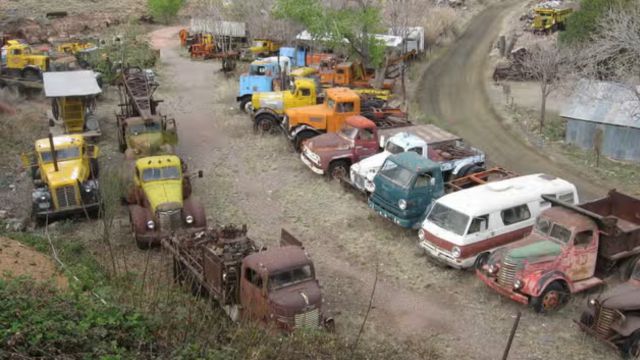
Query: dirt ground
point(19, 260)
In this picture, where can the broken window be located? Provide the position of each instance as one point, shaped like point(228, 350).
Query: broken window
point(478, 224)
point(583, 238)
point(345, 107)
point(253, 277)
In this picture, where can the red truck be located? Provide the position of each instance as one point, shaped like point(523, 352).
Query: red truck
point(277, 287)
point(571, 248)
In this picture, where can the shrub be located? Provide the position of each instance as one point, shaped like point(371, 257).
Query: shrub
point(584, 22)
point(164, 10)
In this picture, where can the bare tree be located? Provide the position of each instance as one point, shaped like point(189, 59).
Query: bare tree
point(544, 64)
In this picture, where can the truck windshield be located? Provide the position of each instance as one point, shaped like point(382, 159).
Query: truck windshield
point(61, 154)
point(258, 70)
point(348, 132)
point(331, 103)
point(161, 173)
point(448, 219)
point(290, 277)
point(143, 128)
point(258, 43)
point(560, 233)
point(397, 174)
point(393, 148)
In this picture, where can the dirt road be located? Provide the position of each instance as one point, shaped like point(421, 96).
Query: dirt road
point(453, 93)
point(258, 180)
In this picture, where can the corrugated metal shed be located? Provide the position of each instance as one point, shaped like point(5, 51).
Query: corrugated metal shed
point(611, 109)
point(218, 27)
point(70, 83)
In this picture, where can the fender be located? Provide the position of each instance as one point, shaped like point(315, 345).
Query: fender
point(300, 129)
point(537, 283)
point(240, 98)
point(627, 326)
point(461, 164)
point(268, 111)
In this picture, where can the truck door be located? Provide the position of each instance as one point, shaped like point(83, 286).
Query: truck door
point(251, 296)
point(303, 97)
point(581, 258)
point(366, 144)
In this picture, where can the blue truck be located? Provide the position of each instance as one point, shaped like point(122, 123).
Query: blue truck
point(263, 76)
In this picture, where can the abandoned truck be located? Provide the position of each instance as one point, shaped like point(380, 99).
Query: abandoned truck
point(160, 201)
point(64, 170)
point(571, 249)
point(263, 75)
point(306, 122)
point(614, 316)
point(455, 157)
point(407, 184)
point(463, 228)
point(277, 287)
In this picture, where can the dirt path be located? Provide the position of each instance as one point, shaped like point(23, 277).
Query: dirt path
point(18, 260)
point(454, 88)
point(257, 180)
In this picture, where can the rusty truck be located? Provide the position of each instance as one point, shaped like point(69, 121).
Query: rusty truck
point(572, 248)
point(614, 316)
point(276, 287)
point(305, 122)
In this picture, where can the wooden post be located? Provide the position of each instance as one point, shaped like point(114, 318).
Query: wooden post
point(511, 336)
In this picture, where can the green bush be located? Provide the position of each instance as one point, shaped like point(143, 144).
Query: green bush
point(164, 10)
point(584, 22)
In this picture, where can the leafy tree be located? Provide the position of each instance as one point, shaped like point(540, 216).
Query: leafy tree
point(164, 10)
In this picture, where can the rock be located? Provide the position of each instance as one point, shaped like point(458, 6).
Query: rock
point(3, 214)
point(15, 225)
point(12, 187)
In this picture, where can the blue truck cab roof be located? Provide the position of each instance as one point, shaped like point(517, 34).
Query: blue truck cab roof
point(414, 162)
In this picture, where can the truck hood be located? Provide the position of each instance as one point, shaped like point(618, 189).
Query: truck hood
point(536, 251)
point(623, 297)
point(146, 144)
point(163, 192)
point(294, 298)
point(69, 171)
point(370, 164)
point(312, 113)
point(328, 142)
point(272, 100)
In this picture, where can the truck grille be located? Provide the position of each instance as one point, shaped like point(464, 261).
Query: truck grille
point(604, 318)
point(507, 273)
point(309, 319)
point(169, 219)
point(66, 196)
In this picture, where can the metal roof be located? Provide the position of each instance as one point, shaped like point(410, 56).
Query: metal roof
point(605, 103)
point(389, 40)
point(70, 83)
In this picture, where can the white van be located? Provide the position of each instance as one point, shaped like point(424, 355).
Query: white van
point(464, 227)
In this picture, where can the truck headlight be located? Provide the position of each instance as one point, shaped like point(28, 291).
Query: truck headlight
point(456, 252)
point(402, 204)
point(517, 285)
point(151, 225)
point(592, 302)
point(189, 219)
point(493, 269)
point(421, 234)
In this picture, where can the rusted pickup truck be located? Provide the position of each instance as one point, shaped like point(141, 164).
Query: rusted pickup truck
point(571, 248)
point(277, 287)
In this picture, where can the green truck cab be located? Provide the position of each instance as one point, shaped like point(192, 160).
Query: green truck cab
point(405, 187)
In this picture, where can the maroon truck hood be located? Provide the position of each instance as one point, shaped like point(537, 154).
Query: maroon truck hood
point(291, 300)
point(625, 297)
point(329, 141)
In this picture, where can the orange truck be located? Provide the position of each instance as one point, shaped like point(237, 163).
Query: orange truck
point(350, 74)
point(340, 103)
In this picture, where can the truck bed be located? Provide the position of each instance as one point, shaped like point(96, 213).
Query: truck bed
point(430, 133)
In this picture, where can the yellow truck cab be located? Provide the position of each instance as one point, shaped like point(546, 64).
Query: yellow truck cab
point(264, 47)
point(160, 202)
point(64, 170)
point(550, 19)
point(23, 63)
point(73, 47)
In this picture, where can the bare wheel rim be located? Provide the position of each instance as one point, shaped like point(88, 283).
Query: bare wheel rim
point(338, 172)
point(551, 300)
point(264, 125)
point(248, 107)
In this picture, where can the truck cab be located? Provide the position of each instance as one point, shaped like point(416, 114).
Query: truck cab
point(64, 170)
point(333, 153)
point(139, 137)
point(404, 188)
point(264, 47)
point(22, 62)
point(350, 74)
point(263, 76)
point(308, 121)
point(160, 200)
point(570, 249)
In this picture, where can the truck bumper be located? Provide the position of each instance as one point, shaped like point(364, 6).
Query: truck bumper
point(311, 165)
point(154, 238)
point(446, 258)
point(405, 223)
point(66, 212)
point(501, 290)
point(595, 334)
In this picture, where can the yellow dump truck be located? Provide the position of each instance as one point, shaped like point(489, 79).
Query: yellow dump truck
point(22, 62)
point(548, 19)
point(64, 170)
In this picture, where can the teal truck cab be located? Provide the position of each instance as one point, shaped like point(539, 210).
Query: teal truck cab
point(404, 188)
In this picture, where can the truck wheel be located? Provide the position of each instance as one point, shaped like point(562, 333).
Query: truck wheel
point(245, 104)
point(469, 169)
point(631, 347)
point(586, 318)
point(339, 169)
point(481, 260)
point(301, 137)
point(137, 218)
point(265, 123)
point(551, 299)
point(31, 74)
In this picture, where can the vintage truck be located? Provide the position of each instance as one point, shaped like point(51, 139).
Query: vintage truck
point(268, 107)
point(22, 62)
point(571, 249)
point(264, 75)
point(64, 170)
point(276, 288)
point(407, 184)
point(305, 122)
point(264, 47)
point(142, 129)
point(614, 316)
point(349, 74)
point(455, 157)
point(160, 201)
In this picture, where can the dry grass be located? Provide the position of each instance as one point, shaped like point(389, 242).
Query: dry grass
point(39, 8)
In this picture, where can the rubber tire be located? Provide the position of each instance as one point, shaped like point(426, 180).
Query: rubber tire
point(586, 319)
point(138, 220)
point(469, 169)
point(337, 165)
point(300, 138)
point(631, 346)
point(244, 102)
point(481, 260)
point(186, 188)
point(537, 303)
point(30, 74)
point(265, 123)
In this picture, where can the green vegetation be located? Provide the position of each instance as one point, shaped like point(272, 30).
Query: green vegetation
point(354, 23)
point(164, 10)
point(583, 23)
